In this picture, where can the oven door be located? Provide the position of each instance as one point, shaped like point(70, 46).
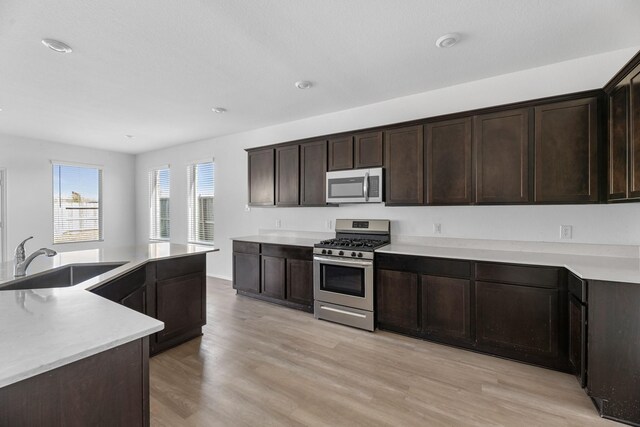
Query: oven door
point(347, 282)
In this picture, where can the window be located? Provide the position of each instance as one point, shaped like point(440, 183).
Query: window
point(160, 222)
point(77, 203)
point(3, 225)
point(201, 202)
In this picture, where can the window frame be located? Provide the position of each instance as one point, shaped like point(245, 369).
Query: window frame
point(193, 203)
point(100, 169)
point(3, 214)
point(151, 197)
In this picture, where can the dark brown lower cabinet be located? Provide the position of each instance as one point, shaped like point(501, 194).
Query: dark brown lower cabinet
point(172, 290)
point(181, 305)
point(281, 274)
point(109, 388)
point(517, 321)
point(299, 276)
point(577, 337)
point(446, 307)
point(397, 300)
point(273, 276)
point(246, 272)
point(613, 355)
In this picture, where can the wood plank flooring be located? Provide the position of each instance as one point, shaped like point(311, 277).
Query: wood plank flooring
point(260, 364)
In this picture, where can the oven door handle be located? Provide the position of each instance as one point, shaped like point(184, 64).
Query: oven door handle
point(343, 261)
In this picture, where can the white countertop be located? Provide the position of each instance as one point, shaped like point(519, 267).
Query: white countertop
point(613, 269)
point(43, 329)
point(279, 240)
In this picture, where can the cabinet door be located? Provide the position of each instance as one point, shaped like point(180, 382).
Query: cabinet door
point(273, 277)
point(502, 157)
point(246, 272)
point(566, 148)
point(448, 162)
point(288, 176)
point(368, 150)
point(181, 304)
point(577, 328)
point(262, 177)
point(300, 281)
point(397, 300)
point(634, 141)
point(403, 151)
point(618, 143)
point(517, 320)
point(446, 308)
point(313, 171)
point(341, 153)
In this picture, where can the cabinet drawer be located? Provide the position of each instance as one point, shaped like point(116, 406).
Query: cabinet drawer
point(577, 287)
point(543, 277)
point(286, 251)
point(246, 247)
point(182, 266)
point(425, 265)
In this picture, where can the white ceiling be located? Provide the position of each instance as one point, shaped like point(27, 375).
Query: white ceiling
point(154, 68)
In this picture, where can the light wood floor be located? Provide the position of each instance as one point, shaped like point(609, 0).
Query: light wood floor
point(264, 365)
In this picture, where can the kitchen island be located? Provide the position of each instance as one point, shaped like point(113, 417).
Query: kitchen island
point(70, 356)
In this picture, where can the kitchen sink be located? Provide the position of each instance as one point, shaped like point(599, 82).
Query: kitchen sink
point(61, 277)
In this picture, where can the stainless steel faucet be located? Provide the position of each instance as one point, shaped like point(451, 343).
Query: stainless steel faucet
point(21, 264)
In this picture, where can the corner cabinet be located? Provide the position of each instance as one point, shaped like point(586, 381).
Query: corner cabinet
point(172, 291)
point(281, 274)
point(624, 138)
point(566, 152)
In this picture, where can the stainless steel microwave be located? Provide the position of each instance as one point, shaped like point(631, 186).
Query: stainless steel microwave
point(355, 186)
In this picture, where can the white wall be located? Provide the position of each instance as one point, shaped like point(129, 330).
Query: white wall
point(612, 224)
point(29, 192)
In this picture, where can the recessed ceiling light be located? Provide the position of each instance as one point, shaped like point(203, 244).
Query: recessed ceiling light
point(130, 136)
point(447, 40)
point(303, 84)
point(219, 110)
point(57, 45)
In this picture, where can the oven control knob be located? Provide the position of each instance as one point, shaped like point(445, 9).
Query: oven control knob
point(324, 251)
point(353, 254)
point(329, 252)
point(341, 253)
point(359, 254)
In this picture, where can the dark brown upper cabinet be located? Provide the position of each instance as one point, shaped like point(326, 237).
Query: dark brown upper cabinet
point(341, 153)
point(448, 162)
point(288, 175)
point(261, 177)
point(501, 144)
point(619, 143)
point(403, 154)
point(566, 152)
point(313, 169)
point(624, 138)
point(368, 150)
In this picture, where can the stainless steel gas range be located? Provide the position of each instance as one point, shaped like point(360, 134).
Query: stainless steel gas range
point(343, 272)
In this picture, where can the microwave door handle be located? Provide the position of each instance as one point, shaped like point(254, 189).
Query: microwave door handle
point(365, 187)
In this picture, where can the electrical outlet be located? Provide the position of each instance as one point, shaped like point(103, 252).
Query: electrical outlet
point(566, 232)
point(328, 224)
point(437, 228)
point(247, 208)
point(278, 223)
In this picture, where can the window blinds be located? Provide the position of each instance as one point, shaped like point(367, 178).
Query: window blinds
point(159, 207)
point(201, 178)
point(77, 203)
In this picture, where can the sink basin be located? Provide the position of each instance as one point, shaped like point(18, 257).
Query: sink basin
point(61, 277)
